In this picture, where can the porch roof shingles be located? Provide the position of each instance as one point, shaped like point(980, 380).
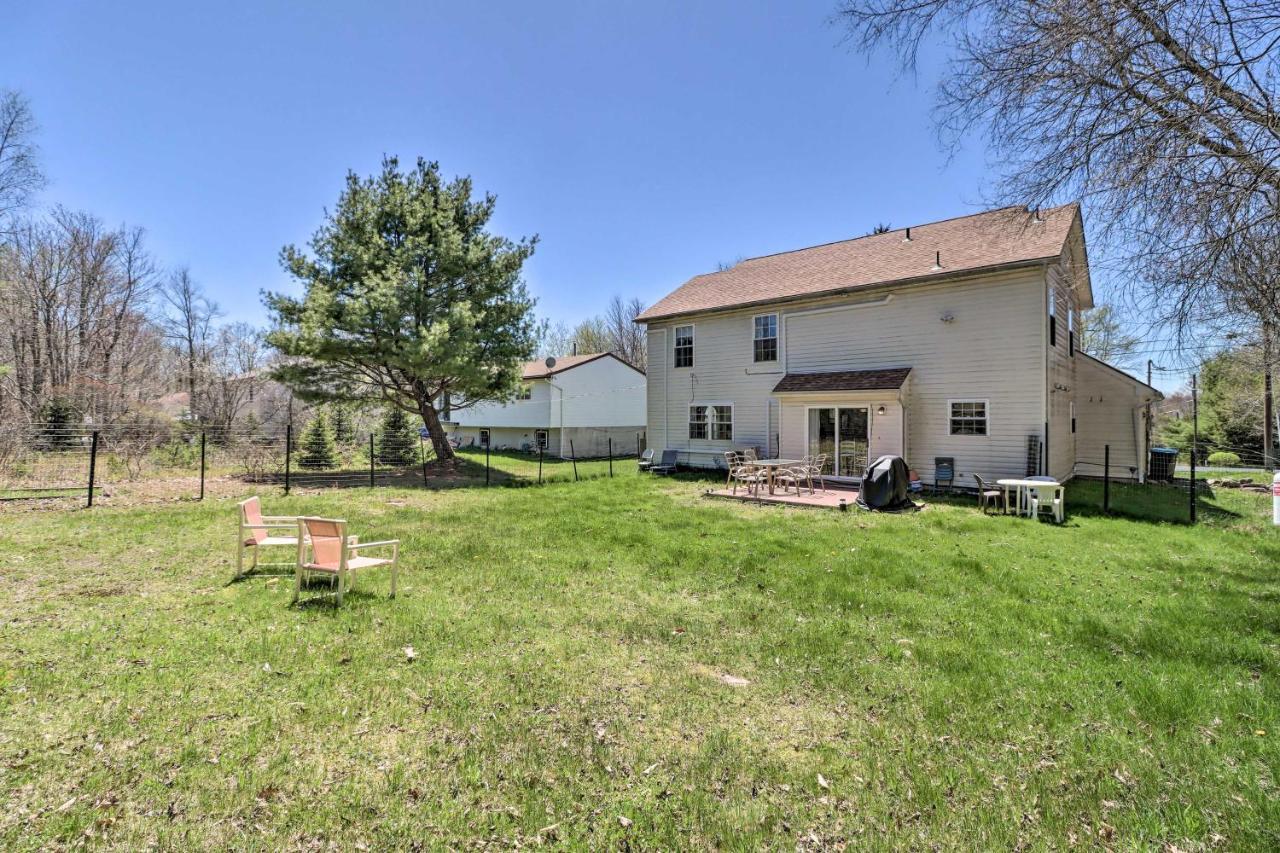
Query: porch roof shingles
point(981, 241)
point(844, 380)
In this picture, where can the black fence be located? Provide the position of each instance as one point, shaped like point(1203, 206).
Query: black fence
point(74, 465)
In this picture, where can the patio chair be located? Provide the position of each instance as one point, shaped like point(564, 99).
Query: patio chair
point(816, 466)
point(944, 473)
point(988, 494)
point(794, 477)
point(750, 454)
point(334, 553)
point(645, 460)
point(732, 459)
point(749, 476)
point(253, 532)
point(668, 463)
point(1048, 500)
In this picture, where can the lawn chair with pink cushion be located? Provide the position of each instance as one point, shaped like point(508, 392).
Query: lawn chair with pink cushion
point(325, 548)
point(255, 531)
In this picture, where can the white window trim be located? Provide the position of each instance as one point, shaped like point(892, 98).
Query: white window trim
point(524, 392)
point(777, 337)
point(693, 343)
point(987, 409)
point(484, 437)
point(733, 420)
point(545, 441)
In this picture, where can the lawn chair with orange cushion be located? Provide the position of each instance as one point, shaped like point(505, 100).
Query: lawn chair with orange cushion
point(255, 532)
point(325, 548)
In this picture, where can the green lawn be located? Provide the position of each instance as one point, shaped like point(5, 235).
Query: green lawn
point(620, 662)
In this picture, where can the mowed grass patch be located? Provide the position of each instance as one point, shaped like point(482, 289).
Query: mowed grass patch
point(621, 662)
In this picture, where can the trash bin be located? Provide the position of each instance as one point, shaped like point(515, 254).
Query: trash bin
point(1164, 460)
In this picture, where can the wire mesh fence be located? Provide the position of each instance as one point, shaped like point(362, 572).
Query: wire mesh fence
point(71, 465)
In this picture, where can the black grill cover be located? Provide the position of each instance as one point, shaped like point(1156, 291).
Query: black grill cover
point(884, 486)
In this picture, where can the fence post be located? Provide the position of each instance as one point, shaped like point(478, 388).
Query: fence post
point(573, 454)
point(1195, 440)
point(202, 440)
point(288, 452)
point(93, 463)
point(486, 457)
point(1106, 478)
point(610, 457)
point(371, 481)
point(541, 449)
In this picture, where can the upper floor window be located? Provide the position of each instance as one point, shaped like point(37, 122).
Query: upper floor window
point(525, 392)
point(968, 417)
point(1053, 316)
point(1071, 332)
point(765, 343)
point(684, 346)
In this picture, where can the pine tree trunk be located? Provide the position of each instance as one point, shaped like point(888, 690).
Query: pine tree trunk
point(439, 441)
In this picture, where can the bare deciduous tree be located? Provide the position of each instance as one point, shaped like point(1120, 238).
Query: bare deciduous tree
point(188, 325)
point(614, 331)
point(20, 174)
point(1162, 115)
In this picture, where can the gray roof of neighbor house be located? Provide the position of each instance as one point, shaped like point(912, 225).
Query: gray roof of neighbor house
point(982, 241)
point(845, 380)
point(539, 370)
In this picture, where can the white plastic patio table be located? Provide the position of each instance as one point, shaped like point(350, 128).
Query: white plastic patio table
point(1023, 487)
point(773, 465)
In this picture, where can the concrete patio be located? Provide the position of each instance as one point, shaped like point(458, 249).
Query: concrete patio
point(829, 498)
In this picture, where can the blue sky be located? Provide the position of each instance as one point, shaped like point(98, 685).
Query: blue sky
point(643, 142)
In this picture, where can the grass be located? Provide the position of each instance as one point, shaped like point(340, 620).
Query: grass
point(939, 679)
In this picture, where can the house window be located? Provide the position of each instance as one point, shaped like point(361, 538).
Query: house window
point(540, 439)
point(684, 346)
point(968, 417)
point(1053, 317)
point(525, 392)
point(1073, 418)
point(697, 422)
point(484, 438)
point(722, 423)
point(1071, 332)
point(765, 343)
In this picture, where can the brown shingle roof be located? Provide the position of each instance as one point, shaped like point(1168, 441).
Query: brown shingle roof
point(539, 370)
point(995, 238)
point(845, 380)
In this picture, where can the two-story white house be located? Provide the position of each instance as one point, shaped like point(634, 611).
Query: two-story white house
point(952, 339)
point(572, 404)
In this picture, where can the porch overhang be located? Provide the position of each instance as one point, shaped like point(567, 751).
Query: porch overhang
point(889, 379)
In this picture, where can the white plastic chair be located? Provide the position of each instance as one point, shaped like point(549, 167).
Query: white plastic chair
point(1048, 499)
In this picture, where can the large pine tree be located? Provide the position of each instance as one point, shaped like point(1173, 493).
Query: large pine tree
point(408, 299)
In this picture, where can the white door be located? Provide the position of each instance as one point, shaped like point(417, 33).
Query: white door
point(842, 434)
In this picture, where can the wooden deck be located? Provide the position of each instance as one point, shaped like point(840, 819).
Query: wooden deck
point(831, 498)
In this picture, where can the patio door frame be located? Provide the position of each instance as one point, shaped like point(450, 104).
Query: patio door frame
point(835, 457)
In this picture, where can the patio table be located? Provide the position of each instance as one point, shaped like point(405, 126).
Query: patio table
point(1023, 488)
point(772, 466)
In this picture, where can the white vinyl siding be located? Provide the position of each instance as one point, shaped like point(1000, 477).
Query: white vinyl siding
point(993, 349)
point(1111, 411)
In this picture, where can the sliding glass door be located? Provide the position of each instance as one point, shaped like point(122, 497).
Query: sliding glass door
point(842, 434)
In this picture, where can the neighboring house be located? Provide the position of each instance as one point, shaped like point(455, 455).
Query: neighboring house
point(584, 399)
point(952, 339)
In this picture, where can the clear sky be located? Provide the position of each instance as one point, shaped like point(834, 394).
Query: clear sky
point(643, 142)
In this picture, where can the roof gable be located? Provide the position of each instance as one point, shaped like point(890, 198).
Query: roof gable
point(983, 241)
point(539, 370)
